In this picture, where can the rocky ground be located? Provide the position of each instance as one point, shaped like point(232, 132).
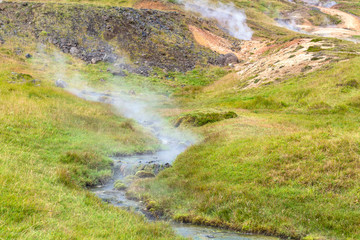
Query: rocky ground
point(147, 38)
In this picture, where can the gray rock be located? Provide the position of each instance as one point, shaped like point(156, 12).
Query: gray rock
point(118, 72)
point(111, 58)
point(60, 83)
point(74, 51)
point(28, 55)
point(95, 60)
point(225, 60)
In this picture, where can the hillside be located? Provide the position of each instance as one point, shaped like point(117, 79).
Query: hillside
point(246, 112)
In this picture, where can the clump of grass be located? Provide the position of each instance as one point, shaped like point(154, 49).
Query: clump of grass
point(260, 102)
point(314, 49)
point(87, 168)
point(119, 185)
point(200, 119)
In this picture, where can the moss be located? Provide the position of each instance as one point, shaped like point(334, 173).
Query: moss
point(314, 49)
point(119, 185)
point(200, 119)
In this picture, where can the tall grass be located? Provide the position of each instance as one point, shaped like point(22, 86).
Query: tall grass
point(51, 145)
point(289, 165)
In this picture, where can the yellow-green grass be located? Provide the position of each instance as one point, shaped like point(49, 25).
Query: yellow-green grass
point(351, 6)
point(289, 165)
point(51, 144)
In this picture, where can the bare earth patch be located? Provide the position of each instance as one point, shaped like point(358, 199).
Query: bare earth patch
point(155, 5)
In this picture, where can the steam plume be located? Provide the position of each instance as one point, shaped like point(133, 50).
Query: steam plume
point(227, 15)
point(140, 107)
point(326, 4)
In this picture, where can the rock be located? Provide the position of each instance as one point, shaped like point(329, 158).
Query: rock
point(105, 99)
point(144, 174)
point(95, 60)
point(119, 73)
point(28, 55)
point(74, 51)
point(142, 70)
point(225, 60)
point(111, 58)
point(60, 83)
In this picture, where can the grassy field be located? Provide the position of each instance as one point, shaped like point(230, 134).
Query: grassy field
point(289, 165)
point(52, 145)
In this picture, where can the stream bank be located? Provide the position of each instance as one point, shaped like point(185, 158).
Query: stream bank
point(129, 168)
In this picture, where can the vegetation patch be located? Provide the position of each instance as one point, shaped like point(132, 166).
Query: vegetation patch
point(119, 185)
point(86, 168)
point(200, 119)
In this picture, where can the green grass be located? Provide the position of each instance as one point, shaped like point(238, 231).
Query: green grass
point(51, 145)
point(287, 166)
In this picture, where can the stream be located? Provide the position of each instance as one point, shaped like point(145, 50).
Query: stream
point(173, 143)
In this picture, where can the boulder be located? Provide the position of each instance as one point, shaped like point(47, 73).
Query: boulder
point(60, 83)
point(225, 60)
point(74, 51)
point(95, 60)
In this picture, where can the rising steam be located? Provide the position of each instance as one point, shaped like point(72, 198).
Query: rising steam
point(227, 15)
point(320, 3)
point(140, 107)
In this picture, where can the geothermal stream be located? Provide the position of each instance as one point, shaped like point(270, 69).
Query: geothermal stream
point(174, 142)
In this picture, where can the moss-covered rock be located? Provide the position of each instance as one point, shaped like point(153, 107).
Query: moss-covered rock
point(144, 174)
point(200, 119)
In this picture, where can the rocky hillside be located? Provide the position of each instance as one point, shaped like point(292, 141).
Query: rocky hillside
point(149, 38)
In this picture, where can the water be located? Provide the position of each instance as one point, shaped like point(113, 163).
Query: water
point(128, 166)
point(125, 168)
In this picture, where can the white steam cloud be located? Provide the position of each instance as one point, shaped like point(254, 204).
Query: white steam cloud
point(227, 15)
point(139, 106)
point(326, 4)
point(289, 24)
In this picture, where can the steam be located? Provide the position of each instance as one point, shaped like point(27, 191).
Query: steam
point(140, 107)
point(227, 15)
point(326, 4)
point(289, 24)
